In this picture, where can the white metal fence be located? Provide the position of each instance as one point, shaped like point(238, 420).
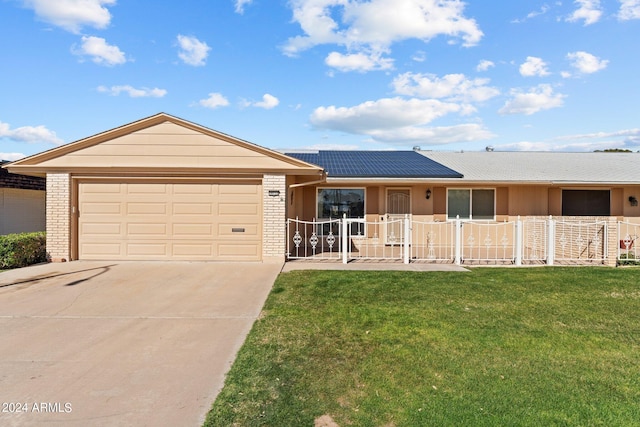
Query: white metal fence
point(529, 240)
point(628, 241)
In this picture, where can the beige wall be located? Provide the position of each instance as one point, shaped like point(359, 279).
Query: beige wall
point(21, 211)
point(511, 201)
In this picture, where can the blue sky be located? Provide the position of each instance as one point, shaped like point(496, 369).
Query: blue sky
point(326, 74)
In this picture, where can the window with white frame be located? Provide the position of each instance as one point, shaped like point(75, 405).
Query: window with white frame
point(476, 203)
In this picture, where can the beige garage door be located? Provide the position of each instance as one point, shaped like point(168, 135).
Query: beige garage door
point(169, 221)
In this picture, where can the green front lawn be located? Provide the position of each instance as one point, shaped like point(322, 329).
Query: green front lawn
point(496, 346)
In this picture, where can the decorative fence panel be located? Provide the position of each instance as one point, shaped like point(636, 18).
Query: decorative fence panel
point(628, 241)
point(377, 240)
point(314, 239)
point(577, 241)
point(433, 241)
point(534, 242)
point(488, 242)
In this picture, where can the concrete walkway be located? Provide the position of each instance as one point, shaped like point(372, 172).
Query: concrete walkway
point(122, 344)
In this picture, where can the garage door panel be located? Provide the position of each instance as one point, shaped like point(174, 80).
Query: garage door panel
point(98, 250)
point(192, 208)
point(149, 221)
point(237, 230)
point(236, 189)
point(101, 188)
point(193, 230)
point(158, 249)
point(193, 189)
point(147, 229)
point(101, 229)
point(145, 188)
point(146, 208)
point(237, 209)
point(192, 249)
point(238, 252)
point(114, 208)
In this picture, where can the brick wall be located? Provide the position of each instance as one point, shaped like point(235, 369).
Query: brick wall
point(274, 230)
point(59, 216)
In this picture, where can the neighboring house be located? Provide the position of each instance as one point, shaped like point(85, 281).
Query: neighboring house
point(165, 188)
point(22, 203)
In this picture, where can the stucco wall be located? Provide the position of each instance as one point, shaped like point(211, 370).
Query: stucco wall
point(21, 211)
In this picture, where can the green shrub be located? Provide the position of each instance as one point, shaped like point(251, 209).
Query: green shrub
point(21, 250)
point(628, 259)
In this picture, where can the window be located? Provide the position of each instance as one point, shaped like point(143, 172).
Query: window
point(335, 202)
point(471, 204)
point(586, 203)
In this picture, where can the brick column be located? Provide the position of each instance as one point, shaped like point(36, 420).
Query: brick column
point(273, 217)
point(59, 217)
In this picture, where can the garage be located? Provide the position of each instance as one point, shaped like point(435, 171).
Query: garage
point(165, 220)
point(163, 188)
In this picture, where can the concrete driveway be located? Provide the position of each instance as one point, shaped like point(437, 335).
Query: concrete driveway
point(122, 344)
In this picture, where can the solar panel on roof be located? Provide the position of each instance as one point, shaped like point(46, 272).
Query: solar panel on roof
point(382, 164)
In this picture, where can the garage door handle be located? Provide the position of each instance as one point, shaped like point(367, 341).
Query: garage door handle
point(237, 230)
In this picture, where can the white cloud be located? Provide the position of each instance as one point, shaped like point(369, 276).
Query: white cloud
point(419, 56)
point(534, 66)
point(240, 4)
point(484, 65)
point(100, 51)
point(386, 113)
point(31, 134)
point(537, 99)
point(454, 87)
point(624, 139)
point(358, 62)
point(587, 63)
point(192, 51)
point(12, 156)
point(72, 15)
point(589, 11)
point(373, 26)
point(544, 9)
point(143, 92)
point(434, 135)
point(214, 100)
point(268, 102)
point(629, 9)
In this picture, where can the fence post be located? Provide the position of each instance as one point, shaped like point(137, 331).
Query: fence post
point(519, 242)
point(406, 239)
point(551, 240)
point(458, 241)
point(345, 239)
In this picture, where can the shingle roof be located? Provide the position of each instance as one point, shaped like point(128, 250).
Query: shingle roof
point(596, 168)
point(377, 164)
point(12, 180)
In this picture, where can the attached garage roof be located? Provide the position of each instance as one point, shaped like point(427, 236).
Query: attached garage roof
point(165, 145)
point(377, 164)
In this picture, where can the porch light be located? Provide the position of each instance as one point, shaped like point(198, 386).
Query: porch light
point(633, 201)
point(428, 193)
